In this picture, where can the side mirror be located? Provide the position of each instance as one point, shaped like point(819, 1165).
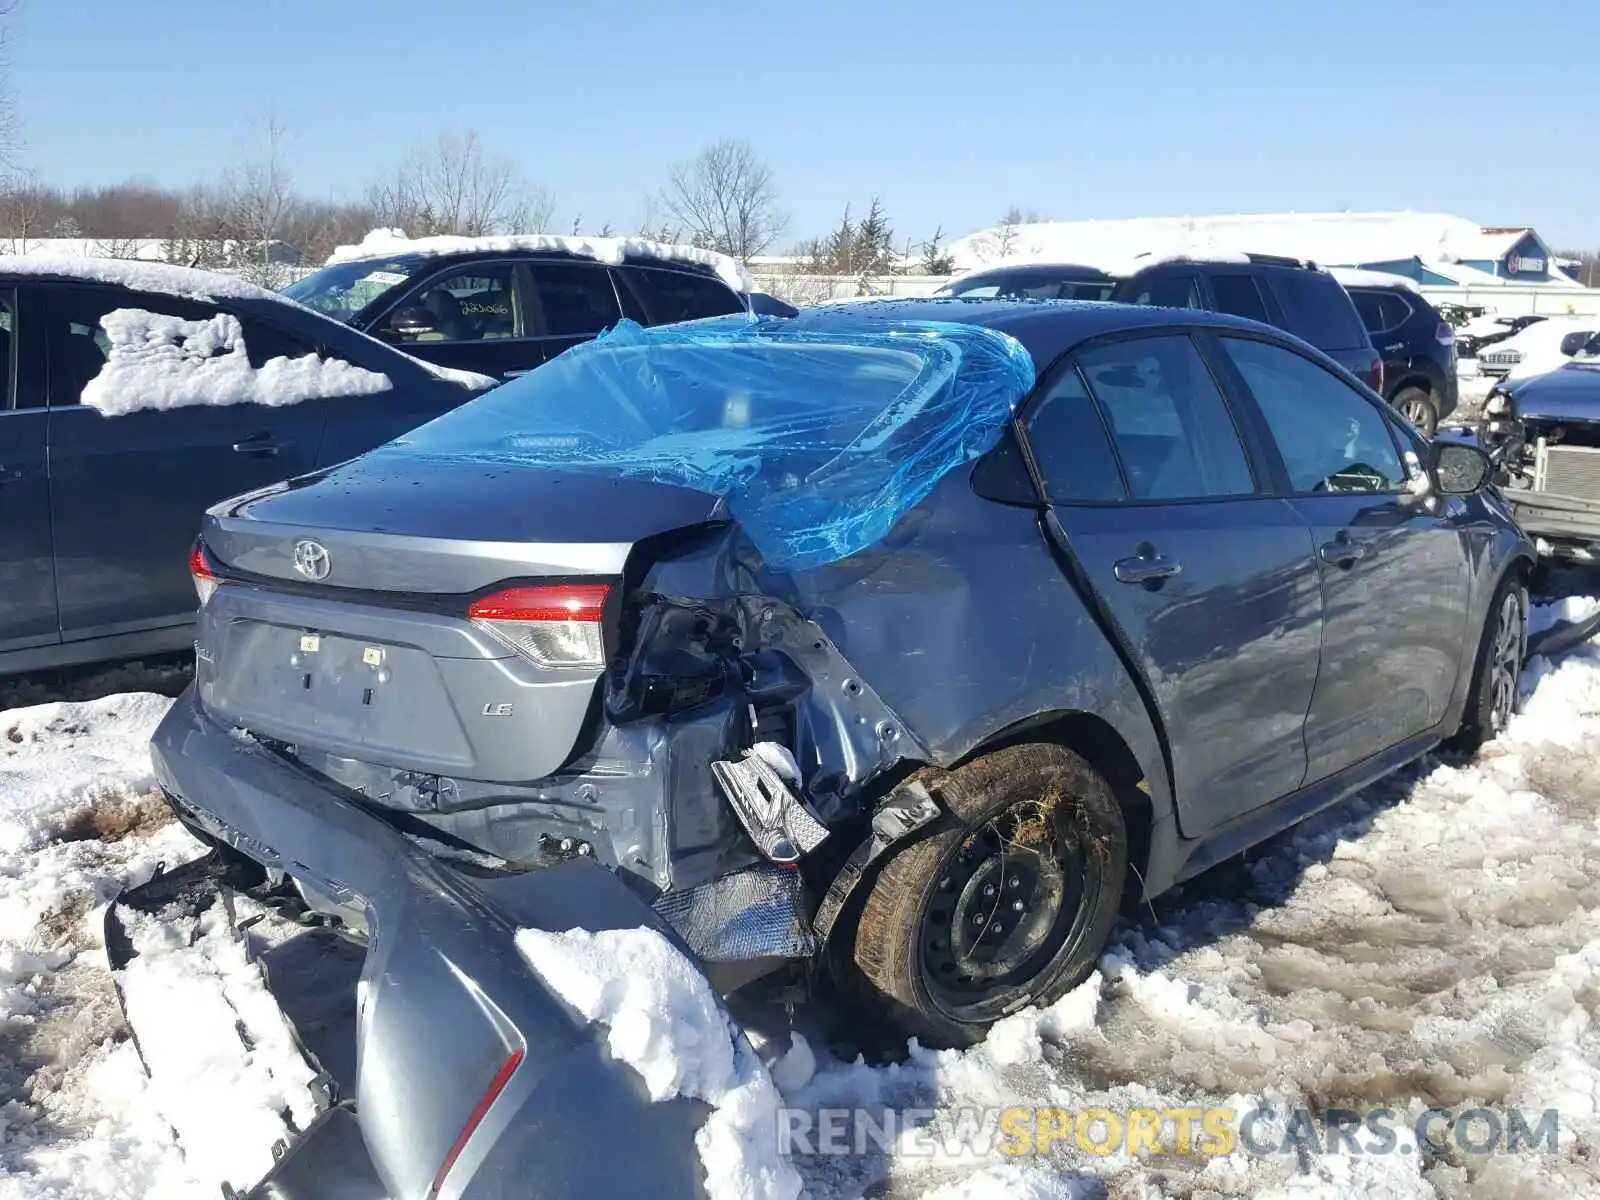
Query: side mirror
point(1459, 469)
point(1574, 342)
point(408, 324)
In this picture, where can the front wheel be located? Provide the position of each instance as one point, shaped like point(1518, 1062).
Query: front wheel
point(1006, 905)
point(1416, 406)
point(1497, 675)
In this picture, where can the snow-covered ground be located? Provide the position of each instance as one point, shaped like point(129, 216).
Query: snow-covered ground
point(1433, 942)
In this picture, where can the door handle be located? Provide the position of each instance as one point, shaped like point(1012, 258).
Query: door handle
point(262, 445)
point(1146, 568)
point(1342, 552)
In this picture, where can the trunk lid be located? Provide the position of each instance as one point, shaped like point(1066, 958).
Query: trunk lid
point(342, 624)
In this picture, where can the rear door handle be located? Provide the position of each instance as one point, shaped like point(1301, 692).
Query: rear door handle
point(1147, 568)
point(262, 445)
point(1342, 553)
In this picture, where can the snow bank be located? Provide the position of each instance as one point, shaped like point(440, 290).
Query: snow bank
point(387, 243)
point(224, 1068)
point(663, 1019)
point(160, 278)
point(162, 362)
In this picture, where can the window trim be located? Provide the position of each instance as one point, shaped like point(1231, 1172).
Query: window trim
point(10, 294)
point(1256, 454)
point(1283, 485)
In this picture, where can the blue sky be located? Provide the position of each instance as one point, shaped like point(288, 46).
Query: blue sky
point(949, 111)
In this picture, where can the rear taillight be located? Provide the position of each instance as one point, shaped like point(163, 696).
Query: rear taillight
point(496, 1086)
point(205, 579)
point(554, 625)
point(1377, 376)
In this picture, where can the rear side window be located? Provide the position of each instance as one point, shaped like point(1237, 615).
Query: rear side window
point(663, 297)
point(569, 300)
point(1238, 294)
point(1173, 431)
point(1318, 310)
point(1070, 445)
point(1164, 291)
point(1381, 312)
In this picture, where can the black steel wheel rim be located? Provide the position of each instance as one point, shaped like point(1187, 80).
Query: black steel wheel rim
point(1012, 901)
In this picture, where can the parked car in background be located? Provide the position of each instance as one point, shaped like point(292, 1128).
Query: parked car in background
point(909, 657)
point(1416, 342)
point(1285, 292)
point(1543, 433)
point(1032, 281)
point(135, 396)
point(500, 306)
point(1542, 346)
point(1489, 330)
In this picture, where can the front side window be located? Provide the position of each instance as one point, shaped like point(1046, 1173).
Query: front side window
point(475, 304)
point(1331, 438)
point(1172, 428)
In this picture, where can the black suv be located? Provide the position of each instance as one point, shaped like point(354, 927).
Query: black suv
point(1285, 292)
point(1418, 347)
point(501, 312)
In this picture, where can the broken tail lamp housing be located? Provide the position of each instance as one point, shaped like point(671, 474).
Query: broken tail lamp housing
point(551, 625)
point(205, 579)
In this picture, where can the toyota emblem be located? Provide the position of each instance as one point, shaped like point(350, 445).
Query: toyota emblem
point(311, 559)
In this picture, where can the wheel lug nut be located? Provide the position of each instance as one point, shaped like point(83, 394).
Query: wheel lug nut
point(977, 918)
point(1017, 906)
point(944, 884)
point(999, 929)
point(1013, 883)
point(988, 889)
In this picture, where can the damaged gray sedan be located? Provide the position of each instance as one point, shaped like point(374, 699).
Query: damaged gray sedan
point(893, 645)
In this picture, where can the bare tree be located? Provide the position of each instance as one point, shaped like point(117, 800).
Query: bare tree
point(452, 187)
point(256, 200)
point(10, 137)
point(28, 210)
point(726, 199)
point(1001, 241)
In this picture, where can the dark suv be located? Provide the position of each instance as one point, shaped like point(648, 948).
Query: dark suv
point(1285, 292)
point(502, 306)
point(1418, 348)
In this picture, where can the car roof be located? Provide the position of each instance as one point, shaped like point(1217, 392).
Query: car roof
point(1037, 271)
point(1046, 328)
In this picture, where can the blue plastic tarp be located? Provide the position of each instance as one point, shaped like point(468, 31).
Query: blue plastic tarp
point(820, 438)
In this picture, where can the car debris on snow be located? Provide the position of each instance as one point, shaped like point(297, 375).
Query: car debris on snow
point(1434, 941)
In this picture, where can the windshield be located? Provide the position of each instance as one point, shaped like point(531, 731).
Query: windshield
point(343, 290)
point(819, 438)
point(1029, 288)
point(1590, 351)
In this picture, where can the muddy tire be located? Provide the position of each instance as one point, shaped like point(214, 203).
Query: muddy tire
point(1497, 673)
point(1416, 406)
point(1007, 903)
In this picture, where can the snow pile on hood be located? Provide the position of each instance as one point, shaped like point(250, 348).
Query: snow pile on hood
point(663, 1019)
point(386, 243)
point(163, 362)
point(224, 1067)
point(161, 278)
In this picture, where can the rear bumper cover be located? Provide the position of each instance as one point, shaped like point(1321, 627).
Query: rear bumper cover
point(445, 997)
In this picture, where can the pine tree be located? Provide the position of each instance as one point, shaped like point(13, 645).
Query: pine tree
point(936, 261)
point(874, 243)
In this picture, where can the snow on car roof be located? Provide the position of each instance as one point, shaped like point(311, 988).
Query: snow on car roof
point(1358, 277)
point(161, 278)
point(389, 243)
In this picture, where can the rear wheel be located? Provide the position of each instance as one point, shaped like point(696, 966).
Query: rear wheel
point(1007, 904)
point(1416, 406)
point(1497, 676)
